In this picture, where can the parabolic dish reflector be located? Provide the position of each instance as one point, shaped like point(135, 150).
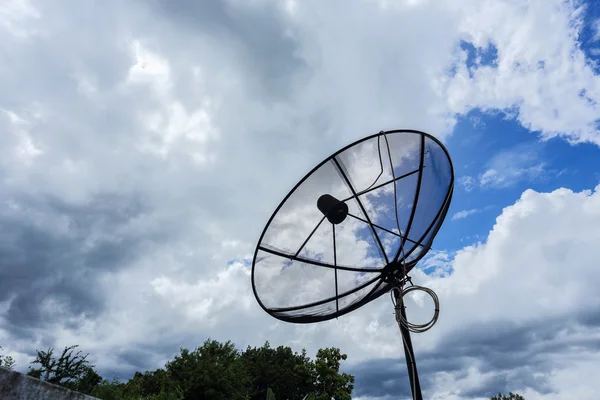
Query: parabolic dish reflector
point(352, 226)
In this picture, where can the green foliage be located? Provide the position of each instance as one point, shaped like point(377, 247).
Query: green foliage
point(140, 387)
point(87, 382)
point(6, 361)
point(115, 390)
point(214, 371)
point(330, 384)
point(156, 385)
point(289, 374)
point(510, 396)
point(69, 370)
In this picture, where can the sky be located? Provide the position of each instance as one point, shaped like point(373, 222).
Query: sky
point(145, 145)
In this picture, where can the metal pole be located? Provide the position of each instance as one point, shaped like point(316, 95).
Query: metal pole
point(409, 354)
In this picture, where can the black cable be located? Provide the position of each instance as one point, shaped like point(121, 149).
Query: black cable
point(380, 164)
point(398, 301)
point(394, 178)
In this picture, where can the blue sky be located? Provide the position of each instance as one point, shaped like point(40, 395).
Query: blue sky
point(589, 33)
point(136, 171)
point(484, 141)
point(493, 141)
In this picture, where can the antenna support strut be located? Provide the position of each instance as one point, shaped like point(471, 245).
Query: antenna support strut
point(409, 354)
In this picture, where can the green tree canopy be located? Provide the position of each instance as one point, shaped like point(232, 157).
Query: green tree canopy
point(214, 371)
point(330, 384)
point(289, 374)
point(510, 396)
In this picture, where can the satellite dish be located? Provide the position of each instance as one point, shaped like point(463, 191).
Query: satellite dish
point(353, 228)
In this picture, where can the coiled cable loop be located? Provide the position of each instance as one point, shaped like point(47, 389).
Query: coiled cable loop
point(399, 293)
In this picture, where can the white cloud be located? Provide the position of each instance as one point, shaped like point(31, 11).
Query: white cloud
point(465, 213)
point(596, 28)
point(134, 164)
point(508, 167)
point(14, 16)
point(539, 82)
point(515, 275)
point(496, 178)
point(467, 182)
point(501, 318)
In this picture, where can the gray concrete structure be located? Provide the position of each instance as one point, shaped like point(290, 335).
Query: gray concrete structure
point(17, 386)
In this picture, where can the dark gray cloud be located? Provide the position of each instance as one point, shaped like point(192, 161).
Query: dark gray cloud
point(382, 377)
point(138, 358)
point(54, 251)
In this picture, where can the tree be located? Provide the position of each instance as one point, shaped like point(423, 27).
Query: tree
point(87, 382)
point(511, 396)
point(6, 361)
point(213, 371)
point(70, 370)
point(155, 385)
point(330, 384)
point(116, 390)
point(110, 390)
point(289, 374)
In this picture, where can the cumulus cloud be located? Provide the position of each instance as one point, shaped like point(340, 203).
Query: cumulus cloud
point(548, 86)
point(146, 144)
point(503, 324)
